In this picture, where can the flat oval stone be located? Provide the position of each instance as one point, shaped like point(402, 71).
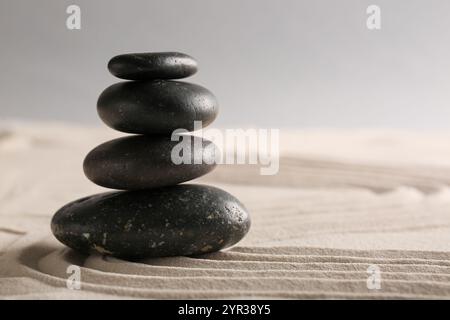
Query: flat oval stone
point(181, 220)
point(143, 162)
point(156, 107)
point(152, 65)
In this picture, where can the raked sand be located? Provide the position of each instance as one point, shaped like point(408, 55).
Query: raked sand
point(342, 201)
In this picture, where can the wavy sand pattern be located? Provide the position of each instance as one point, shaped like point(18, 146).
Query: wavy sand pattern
point(342, 201)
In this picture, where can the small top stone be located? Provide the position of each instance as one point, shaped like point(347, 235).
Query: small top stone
point(152, 65)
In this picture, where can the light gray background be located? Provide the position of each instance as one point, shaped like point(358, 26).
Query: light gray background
point(270, 63)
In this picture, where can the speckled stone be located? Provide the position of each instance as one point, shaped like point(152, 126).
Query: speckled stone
point(152, 65)
point(142, 162)
point(156, 107)
point(180, 220)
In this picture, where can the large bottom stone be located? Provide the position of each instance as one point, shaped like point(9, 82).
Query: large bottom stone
point(178, 220)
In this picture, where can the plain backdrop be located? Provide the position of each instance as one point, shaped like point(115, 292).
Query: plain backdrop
point(271, 63)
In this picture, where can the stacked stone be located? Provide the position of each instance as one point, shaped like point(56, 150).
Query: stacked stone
point(154, 216)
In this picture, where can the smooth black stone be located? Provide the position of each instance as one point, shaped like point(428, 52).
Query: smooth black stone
point(156, 107)
point(143, 162)
point(152, 65)
point(181, 220)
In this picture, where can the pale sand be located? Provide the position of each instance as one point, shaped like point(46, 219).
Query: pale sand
point(342, 201)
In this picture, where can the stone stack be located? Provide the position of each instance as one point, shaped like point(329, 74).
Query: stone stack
point(154, 216)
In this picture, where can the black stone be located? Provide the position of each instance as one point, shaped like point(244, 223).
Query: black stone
point(179, 220)
point(142, 162)
point(152, 65)
point(156, 107)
